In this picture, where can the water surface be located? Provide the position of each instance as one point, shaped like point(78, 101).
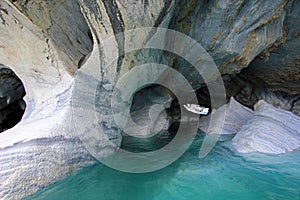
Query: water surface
point(223, 174)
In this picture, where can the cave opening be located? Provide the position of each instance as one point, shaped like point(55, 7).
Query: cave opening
point(140, 114)
point(164, 123)
point(12, 105)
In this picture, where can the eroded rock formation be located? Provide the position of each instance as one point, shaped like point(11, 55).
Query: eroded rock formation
point(271, 130)
point(45, 42)
point(236, 116)
point(267, 129)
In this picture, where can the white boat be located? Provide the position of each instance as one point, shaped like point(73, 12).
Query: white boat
point(197, 109)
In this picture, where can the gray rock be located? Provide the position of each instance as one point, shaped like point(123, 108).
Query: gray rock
point(249, 93)
point(56, 40)
point(40, 149)
point(49, 39)
point(233, 32)
point(296, 106)
point(58, 20)
point(271, 130)
point(262, 34)
point(29, 166)
point(236, 116)
point(278, 68)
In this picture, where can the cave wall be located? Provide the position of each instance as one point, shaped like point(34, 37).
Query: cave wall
point(57, 20)
point(278, 68)
point(255, 45)
point(45, 42)
point(233, 32)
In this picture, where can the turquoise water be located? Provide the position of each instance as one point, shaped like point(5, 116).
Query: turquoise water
point(223, 174)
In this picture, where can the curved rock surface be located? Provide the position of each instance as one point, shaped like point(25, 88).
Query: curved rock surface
point(44, 52)
point(41, 148)
point(271, 130)
point(233, 32)
point(57, 20)
point(278, 68)
point(236, 116)
point(44, 42)
point(149, 111)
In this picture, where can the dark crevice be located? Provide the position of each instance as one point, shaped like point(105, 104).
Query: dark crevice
point(248, 90)
point(163, 13)
point(12, 105)
point(15, 112)
point(2, 10)
point(146, 4)
point(117, 23)
point(160, 18)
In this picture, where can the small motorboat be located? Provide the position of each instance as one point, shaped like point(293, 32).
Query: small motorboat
point(197, 109)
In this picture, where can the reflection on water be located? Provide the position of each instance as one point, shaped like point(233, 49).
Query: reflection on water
point(222, 174)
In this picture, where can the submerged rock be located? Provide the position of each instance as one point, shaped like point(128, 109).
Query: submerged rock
point(271, 130)
point(236, 116)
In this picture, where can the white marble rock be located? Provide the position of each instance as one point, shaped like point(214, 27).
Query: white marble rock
point(271, 130)
point(236, 116)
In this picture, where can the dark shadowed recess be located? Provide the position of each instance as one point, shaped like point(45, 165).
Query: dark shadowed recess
point(142, 101)
point(12, 105)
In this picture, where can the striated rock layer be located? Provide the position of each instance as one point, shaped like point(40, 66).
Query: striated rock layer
point(236, 116)
point(267, 129)
point(41, 148)
point(271, 130)
point(44, 49)
point(45, 42)
point(278, 67)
